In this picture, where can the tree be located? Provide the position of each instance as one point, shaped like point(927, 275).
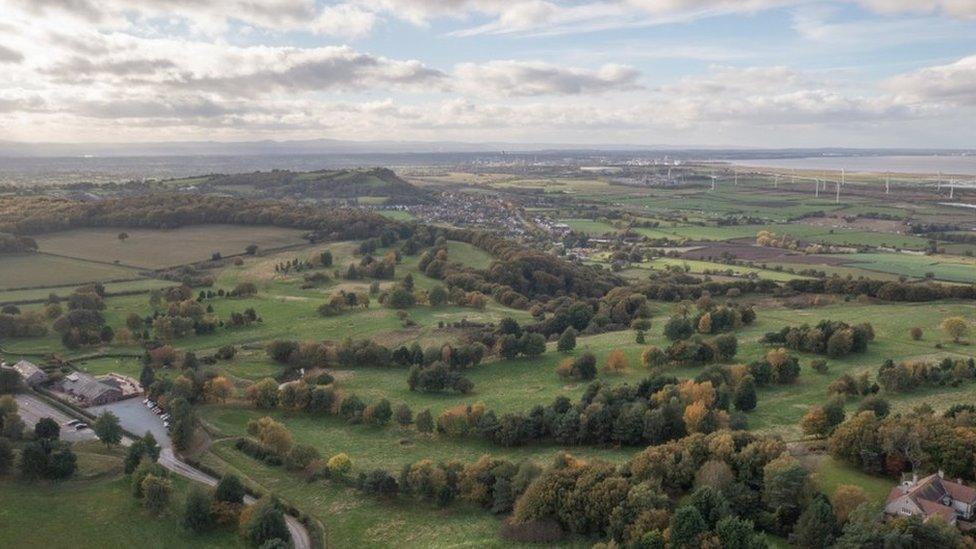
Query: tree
point(156, 493)
point(686, 526)
point(815, 422)
point(340, 465)
point(678, 328)
point(567, 341)
point(263, 394)
point(379, 413)
point(33, 460)
point(846, 499)
point(508, 346)
point(229, 490)
point(108, 429)
point(196, 511)
point(817, 526)
point(616, 362)
point(6, 456)
point(47, 428)
point(955, 327)
point(219, 388)
point(9, 380)
point(653, 357)
point(266, 522)
point(744, 397)
point(147, 376)
point(737, 533)
point(532, 344)
point(425, 422)
point(403, 415)
point(437, 296)
point(784, 484)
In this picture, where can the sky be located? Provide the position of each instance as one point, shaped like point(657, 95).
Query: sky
point(743, 73)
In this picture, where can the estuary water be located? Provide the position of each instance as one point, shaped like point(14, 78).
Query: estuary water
point(948, 165)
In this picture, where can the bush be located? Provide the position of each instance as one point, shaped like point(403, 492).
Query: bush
point(819, 365)
point(916, 333)
point(340, 465)
point(301, 456)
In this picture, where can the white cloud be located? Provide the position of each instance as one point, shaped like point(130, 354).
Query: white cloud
point(954, 84)
point(522, 78)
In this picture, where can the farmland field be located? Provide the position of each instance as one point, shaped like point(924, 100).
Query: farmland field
point(155, 249)
point(140, 285)
point(42, 270)
point(942, 267)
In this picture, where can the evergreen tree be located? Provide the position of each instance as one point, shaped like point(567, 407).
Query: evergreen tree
point(817, 526)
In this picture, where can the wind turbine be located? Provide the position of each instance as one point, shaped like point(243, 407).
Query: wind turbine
point(837, 196)
point(817, 182)
point(775, 180)
point(843, 176)
point(887, 183)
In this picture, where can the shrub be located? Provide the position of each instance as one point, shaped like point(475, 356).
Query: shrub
point(916, 333)
point(819, 365)
point(340, 465)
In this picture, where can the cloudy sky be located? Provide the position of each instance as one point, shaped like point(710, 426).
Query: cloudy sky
point(768, 73)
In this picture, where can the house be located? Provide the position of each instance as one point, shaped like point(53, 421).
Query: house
point(30, 373)
point(932, 496)
point(89, 390)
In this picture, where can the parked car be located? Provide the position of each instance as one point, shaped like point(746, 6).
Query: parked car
point(81, 427)
point(73, 422)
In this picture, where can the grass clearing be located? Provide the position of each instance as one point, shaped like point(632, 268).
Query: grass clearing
point(155, 249)
point(42, 270)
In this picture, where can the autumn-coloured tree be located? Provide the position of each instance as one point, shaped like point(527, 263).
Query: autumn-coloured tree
point(815, 422)
point(846, 499)
point(955, 327)
point(616, 362)
point(219, 389)
point(272, 434)
point(695, 416)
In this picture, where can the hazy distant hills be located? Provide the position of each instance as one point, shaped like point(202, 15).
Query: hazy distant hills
point(337, 147)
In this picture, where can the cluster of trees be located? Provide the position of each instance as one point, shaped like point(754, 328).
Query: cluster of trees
point(912, 375)
point(83, 323)
point(315, 395)
point(42, 455)
point(15, 323)
point(887, 291)
point(699, 350)
point(342, 301)
point(737, 482)
point(917, 441)
point(777, 366)
point(658, 409)
point(830, 337)
point(295, 265)
point(437, 378)
point(12, 244)
point(349, 353)
point(35, 214)
point(580, 368)
point(370, 267)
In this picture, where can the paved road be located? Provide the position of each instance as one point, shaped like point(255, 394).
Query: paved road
point(136, 418)
point(32, 409)
point(299, 535)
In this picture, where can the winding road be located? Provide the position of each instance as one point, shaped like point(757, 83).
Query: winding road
point(134, 417)
point(299, 535)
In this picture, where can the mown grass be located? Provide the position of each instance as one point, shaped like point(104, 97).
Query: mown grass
point(41, 270)
point(953, 269)
point(95, 510)
point(144, 284)
point(149, 248)
point(353, 519)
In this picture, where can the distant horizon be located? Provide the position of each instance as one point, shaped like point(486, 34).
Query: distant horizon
point(736, 73)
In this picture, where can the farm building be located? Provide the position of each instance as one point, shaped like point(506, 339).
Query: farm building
point(30, 373)
point(89, 390)
point(932, 496)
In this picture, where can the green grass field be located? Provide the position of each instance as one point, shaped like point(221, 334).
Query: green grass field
point(154, 249)
point(144, 284)
point(95, 510)
point(696, 266)
point(952, 269)
point(42, 270)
